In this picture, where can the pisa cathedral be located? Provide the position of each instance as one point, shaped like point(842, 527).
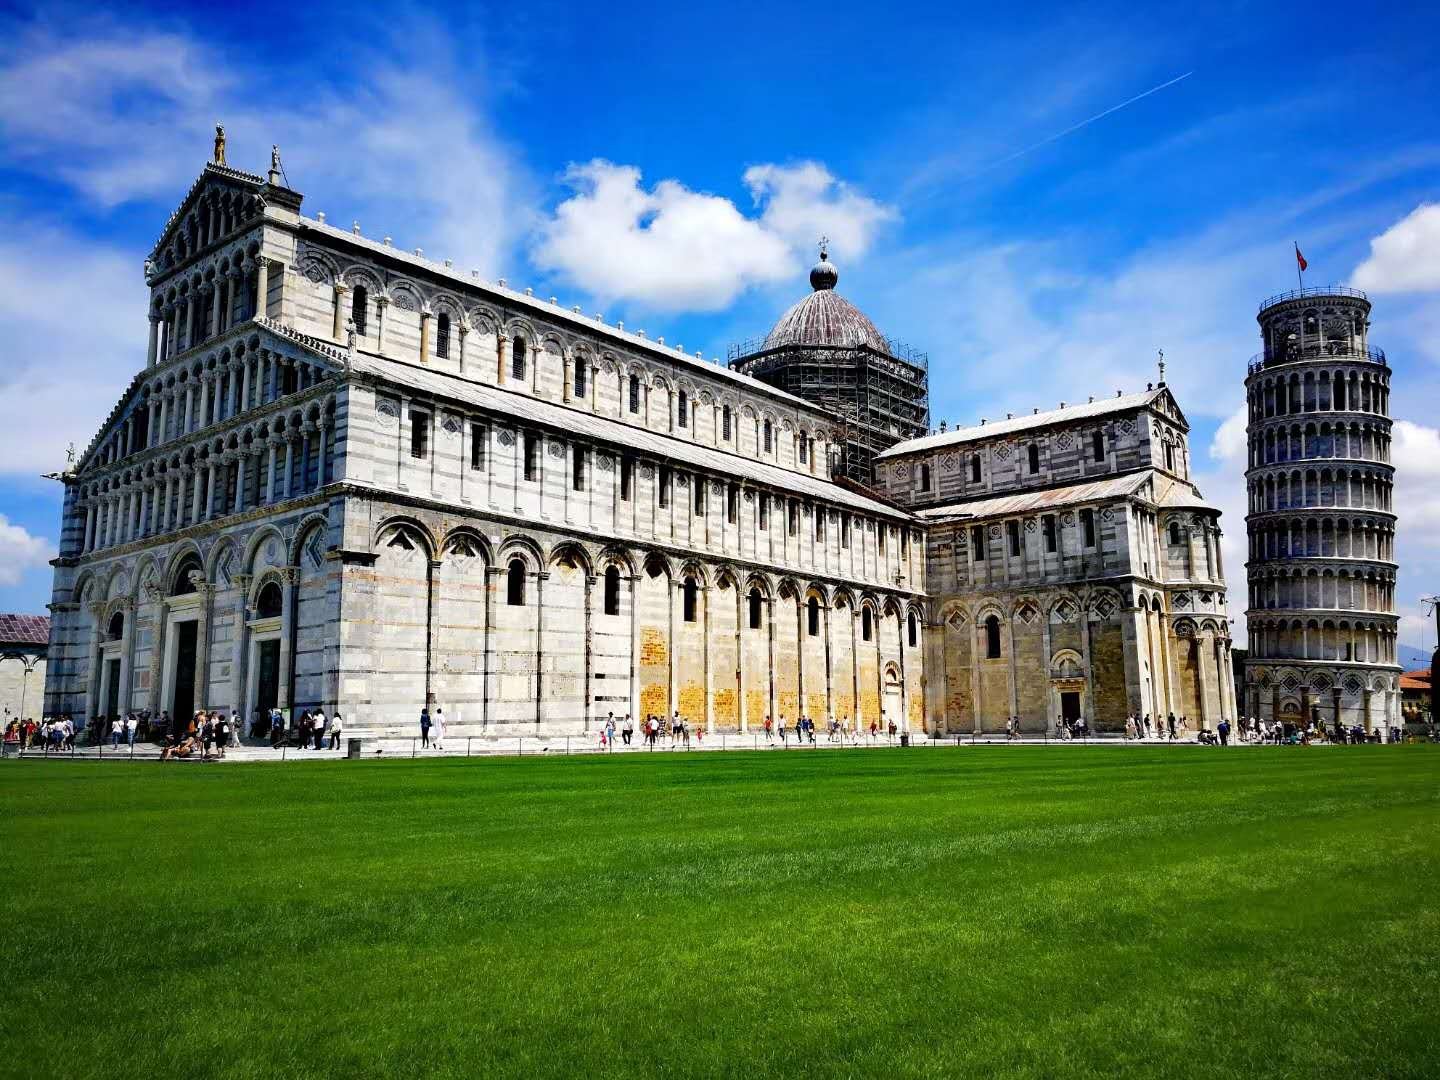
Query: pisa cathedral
point(353, 477)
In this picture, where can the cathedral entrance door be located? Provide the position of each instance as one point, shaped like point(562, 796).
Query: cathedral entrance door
point(182, 706)
point(1070, 705)
point(267, 682)
point(111, 706)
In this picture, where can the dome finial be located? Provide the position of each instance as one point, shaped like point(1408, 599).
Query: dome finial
point(824, 275)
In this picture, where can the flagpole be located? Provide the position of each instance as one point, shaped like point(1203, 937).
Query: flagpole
point(1299, 274)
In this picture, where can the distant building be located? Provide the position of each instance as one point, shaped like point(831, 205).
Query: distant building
point(24, 644)
point(1415, 695)
point(1321, 523)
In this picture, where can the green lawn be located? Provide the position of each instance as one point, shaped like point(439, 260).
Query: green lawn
point(987, 911)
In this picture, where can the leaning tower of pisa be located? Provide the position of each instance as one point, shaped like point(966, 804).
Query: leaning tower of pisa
point(1321, 525)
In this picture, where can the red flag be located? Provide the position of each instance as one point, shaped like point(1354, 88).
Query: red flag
point(1300, 259)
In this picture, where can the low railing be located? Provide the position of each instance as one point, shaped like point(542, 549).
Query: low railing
point(1313, 291)
point(1334, 350)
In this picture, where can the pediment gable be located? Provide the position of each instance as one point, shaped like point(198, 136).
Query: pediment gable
point(240, 195)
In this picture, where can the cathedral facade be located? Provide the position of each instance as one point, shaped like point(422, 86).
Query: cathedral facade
point(353, 477)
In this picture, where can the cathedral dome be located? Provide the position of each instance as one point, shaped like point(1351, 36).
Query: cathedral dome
point(825, 317)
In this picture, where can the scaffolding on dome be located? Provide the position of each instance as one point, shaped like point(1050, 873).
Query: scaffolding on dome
point(879, 398)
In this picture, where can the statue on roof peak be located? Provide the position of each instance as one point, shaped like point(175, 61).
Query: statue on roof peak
point(219, 144)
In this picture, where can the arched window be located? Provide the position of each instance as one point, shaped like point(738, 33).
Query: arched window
point(682, 408)
point(804, 448)
point(813, 617)
point(267, 605)
point(924, 477)
point(442, 335)
point(769, 435)
point(359, 306)
point(689, 592)
point(612, 591)
point(914, 631)
point(992, 637)
point(1034, 452)
point(755, 601)
point(725, 423)
point(866, 629)
point(1174, 532)
point(515, 583)
point(181, 585)
point(580, 380)
point(634, 393)
point(116, 630)
point(517, 359)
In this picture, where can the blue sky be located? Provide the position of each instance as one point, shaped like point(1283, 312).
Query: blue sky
point(672, 165)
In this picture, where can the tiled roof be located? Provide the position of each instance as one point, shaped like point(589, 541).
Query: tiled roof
point(616, 434)
point(1416, 680)
point(1112, 487)
point(25, 629)
point(1103, 407)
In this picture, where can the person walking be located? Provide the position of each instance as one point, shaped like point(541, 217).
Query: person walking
point(207, 736)
point(1223, 728)
point(439, 728)
point(1170, 721)
point(784, 739)
point(628, 730)
point(319, 728)
point(769, 732)
point(425, 728)
point(222, 735)
point(130, 725)
point(336, 726)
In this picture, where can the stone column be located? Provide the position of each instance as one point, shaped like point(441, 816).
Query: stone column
point(215, 290)
point(89, 527)
point(190, 322)
point(239, 504)
point(587, 701)
point(286, 443)
point(152, 351)
point(338, 330)
point(262, 287)
point(500, 368)
point(424, 337)
point(1203, 644)
point(195, 493)
point(704, 592)
point(381, 303)
point(270, 445)
point(291, 576)
point(769, 603)
point(540, 578)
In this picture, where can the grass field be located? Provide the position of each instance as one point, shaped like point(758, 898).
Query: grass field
point(1001, 911)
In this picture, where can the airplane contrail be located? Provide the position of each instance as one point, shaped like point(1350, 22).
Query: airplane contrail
point(1083, 123)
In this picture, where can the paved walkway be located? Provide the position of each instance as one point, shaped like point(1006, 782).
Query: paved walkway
point(508, 746)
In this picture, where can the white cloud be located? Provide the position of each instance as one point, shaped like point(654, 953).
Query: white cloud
point(671, 248)
point(1406, 256)
point(74, 324)
point(1415, 453)
point(1230, 444)
point(130, 116)
point(803, 202)
point(20, 551)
